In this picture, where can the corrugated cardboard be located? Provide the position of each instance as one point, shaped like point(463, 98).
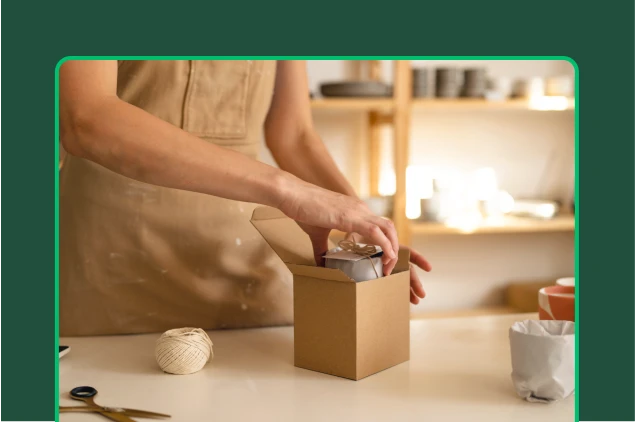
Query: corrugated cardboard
point(341, 327)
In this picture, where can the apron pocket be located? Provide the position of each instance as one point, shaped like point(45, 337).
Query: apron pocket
point(216, 98)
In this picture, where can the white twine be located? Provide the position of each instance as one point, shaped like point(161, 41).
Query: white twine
point(362, 250)
point(183, 350)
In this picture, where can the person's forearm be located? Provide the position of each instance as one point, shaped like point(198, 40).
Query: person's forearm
point(132, 142)
point(308, 159)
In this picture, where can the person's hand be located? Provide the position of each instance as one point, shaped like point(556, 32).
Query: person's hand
point(318, 210)
point(416, 287)
point(319, 240)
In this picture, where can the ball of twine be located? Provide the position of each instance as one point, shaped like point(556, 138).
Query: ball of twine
point(183, 350)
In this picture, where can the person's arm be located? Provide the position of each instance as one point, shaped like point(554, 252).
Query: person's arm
point(291, 137)
point(298, 149)
point(96, 125)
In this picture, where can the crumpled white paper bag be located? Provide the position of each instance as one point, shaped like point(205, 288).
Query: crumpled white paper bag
point(543, 359)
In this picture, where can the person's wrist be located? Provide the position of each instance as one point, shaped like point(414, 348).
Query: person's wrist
point(282, 186)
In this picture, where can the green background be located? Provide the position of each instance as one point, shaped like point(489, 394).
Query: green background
point(599, 38)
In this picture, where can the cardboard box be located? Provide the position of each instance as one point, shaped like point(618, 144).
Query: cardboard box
point(341, 327)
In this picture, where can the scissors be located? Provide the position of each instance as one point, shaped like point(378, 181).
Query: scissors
point(87, 394)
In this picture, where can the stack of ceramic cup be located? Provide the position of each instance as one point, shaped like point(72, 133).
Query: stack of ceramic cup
point(420, 86)
point(558, 302)
point(448, 82)
point(474, 83)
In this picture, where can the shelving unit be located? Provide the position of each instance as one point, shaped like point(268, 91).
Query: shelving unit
point(362, 104)
point(480, 104)
point(396, 112)
point(563, 223)
point(387, 104)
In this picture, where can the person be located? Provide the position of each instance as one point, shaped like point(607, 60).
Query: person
point(158, 185)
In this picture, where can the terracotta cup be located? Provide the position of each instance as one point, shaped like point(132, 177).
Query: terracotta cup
point(557, 303)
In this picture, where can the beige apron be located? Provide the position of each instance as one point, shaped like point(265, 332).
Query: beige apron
point(137, 258)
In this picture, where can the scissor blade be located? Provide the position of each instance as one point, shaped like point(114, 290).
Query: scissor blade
point(129, 412)
point(119, 417)
point(144, 413)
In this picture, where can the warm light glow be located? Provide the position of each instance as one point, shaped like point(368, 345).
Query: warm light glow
point(500, 203)
point(418, 186)
point(495, 221)
point(460, 200)
point(449, 179)
point(546, 210)
point(387, 182)
point(485, 184)
point(466, 222)
point(413, 208)
point(548, 103)
point(505, 202)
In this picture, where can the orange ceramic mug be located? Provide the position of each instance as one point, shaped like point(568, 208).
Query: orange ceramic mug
point(557, 302)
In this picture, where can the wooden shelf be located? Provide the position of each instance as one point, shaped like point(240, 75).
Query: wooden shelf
point(362, 104)
point(387, 104)
point(564, 223)
point(398, 111)
point(478, 104)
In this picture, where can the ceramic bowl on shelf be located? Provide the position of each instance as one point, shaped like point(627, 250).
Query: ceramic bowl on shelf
point(355, 89)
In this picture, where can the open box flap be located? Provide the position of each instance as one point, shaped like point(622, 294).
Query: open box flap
point(294, 247)
point(284, 236)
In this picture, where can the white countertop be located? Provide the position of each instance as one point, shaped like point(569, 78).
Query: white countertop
point(459, 370)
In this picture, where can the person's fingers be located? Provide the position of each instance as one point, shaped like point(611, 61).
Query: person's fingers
point(413, 298)
point(319, 257)
point(320, 247)
point(389, 267)
point(376, 236)
point(415, 283)
point(419, 260)
point(388, 227)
